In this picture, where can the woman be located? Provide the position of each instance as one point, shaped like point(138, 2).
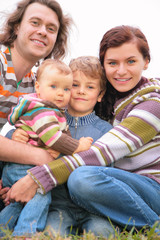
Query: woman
point(129, 193)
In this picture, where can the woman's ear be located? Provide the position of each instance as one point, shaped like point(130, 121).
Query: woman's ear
point(146, 64)
point(100, 96)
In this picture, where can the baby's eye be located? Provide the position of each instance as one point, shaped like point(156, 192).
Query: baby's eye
point(67, 89)
point(53, 86)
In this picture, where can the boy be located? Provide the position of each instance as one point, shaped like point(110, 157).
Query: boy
point(89, 86)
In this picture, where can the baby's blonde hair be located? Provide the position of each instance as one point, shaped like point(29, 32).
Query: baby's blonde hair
point(55, 64)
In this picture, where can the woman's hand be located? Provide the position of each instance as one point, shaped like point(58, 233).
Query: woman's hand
point(3, 193)
point(23, 190)
point(20, 135)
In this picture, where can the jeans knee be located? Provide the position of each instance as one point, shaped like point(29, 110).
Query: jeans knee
point(76, 180)
point(81, 180)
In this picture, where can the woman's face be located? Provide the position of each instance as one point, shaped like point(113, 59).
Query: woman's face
point(124, 65)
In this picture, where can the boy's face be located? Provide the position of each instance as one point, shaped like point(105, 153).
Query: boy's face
point(85, 93)
point(55, 87)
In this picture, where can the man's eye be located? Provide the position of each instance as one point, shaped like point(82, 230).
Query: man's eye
point(112, 63)
point(35, 23)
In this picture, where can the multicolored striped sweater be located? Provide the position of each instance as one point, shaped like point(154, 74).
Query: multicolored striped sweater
point(133, 144)
point(10, 90)
point(44, 123)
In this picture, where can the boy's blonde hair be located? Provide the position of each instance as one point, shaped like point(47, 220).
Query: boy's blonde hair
point(55, 64)
point(91, 67)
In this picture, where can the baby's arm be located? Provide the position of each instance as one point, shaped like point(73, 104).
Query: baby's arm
point(84, 144)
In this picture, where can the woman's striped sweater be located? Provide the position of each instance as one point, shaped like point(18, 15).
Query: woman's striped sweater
point(133, 144)
point(44, 123)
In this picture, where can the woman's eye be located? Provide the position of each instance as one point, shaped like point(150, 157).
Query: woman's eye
point(131, 61)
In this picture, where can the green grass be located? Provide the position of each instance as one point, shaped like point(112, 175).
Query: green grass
point(133, 234)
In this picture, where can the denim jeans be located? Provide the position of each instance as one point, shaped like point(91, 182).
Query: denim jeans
point(24, 219)
point(67, 218)
point(128, 199)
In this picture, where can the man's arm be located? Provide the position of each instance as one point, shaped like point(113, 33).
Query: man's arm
point(12, 151)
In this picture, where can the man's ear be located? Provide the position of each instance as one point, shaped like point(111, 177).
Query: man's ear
point(16, 29)
point(100, 96)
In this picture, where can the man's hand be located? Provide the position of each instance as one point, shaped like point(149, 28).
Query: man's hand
point(23, 190)
point(3, 193)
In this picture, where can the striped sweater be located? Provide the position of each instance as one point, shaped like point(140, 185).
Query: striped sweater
point(10, 90)
point(133, 144)
point(44, 123)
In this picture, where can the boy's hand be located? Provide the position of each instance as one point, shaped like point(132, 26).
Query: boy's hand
point(84, 144)
point(53, 153)
point(20, 135)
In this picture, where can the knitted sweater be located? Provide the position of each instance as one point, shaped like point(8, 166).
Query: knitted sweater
point(87, 126)
point(10, 90)
point(133, 144)
point(44, 123)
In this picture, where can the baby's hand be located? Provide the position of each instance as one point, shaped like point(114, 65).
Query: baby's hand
point(20, 136)
point(84, 144)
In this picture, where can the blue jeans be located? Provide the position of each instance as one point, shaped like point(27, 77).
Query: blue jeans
point(67, 218)
point(126, 198)
point(24, 219)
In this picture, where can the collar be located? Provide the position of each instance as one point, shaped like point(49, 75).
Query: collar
point(80, 121)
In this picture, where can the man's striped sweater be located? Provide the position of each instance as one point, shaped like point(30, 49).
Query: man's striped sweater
point(10, 89)
point(133, 144)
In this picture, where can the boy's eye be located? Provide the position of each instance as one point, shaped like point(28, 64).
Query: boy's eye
point(75, 85)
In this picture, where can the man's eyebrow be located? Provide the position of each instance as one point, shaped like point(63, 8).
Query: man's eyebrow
point(38, 18)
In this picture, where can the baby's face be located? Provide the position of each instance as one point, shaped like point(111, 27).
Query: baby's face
point(55, 87)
